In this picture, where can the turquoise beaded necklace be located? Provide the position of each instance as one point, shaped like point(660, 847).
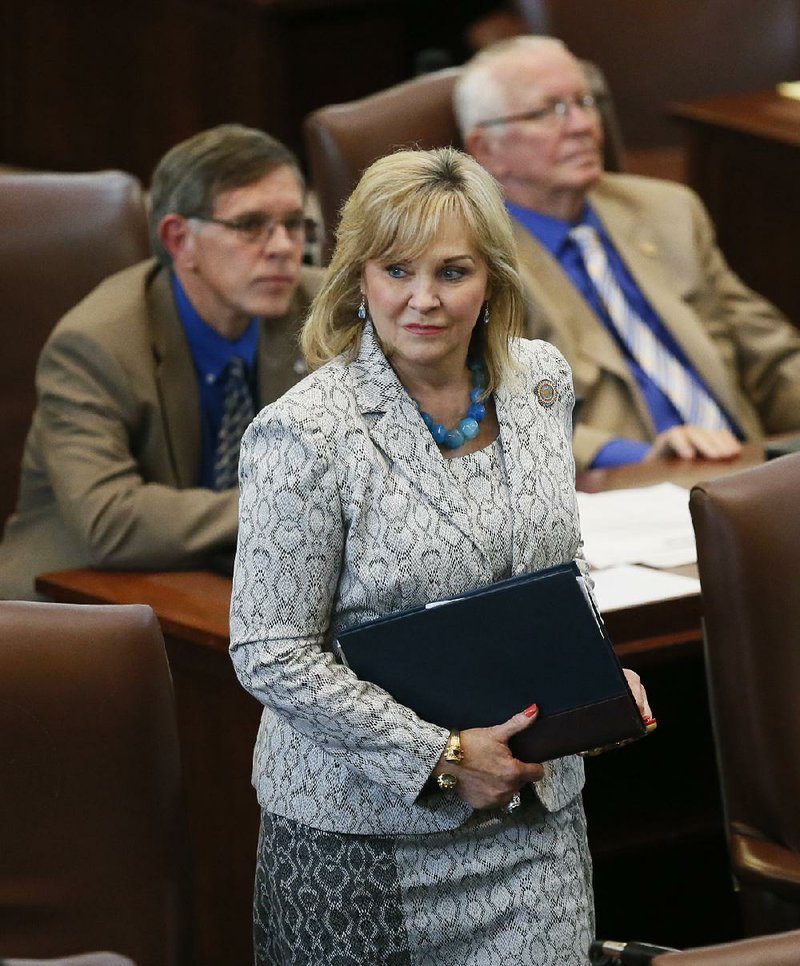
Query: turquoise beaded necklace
point(468, 427)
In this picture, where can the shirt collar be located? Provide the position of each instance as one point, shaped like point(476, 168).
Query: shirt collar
point(211, 351)
point(552, 232)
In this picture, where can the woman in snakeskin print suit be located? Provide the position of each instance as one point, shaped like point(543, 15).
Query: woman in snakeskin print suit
point(351, 510)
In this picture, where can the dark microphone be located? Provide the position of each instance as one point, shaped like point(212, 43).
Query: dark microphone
point(605, 952)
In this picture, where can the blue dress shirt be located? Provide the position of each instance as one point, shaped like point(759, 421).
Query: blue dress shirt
point(553, 233)
point(211, 353)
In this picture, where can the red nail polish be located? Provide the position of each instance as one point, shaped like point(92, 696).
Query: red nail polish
point(531, 711)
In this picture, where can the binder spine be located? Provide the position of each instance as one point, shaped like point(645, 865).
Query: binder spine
point(339, 653)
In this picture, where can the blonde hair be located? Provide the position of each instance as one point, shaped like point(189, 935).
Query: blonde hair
point(395, 212)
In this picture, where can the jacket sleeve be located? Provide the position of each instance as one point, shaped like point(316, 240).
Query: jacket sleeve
point(759, 345)
point(89, 421)
point(290, 559)
point(587, 443)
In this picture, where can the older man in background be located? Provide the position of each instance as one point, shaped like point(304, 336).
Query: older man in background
point(669, 350)
point(146, 386)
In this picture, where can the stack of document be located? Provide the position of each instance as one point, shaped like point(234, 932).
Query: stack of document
point(630, 585)
point(631, 536)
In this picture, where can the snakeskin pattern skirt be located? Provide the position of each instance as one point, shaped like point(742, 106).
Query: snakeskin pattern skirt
point(501, 888)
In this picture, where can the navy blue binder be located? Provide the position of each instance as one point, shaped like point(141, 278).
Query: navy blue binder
point(475, 660)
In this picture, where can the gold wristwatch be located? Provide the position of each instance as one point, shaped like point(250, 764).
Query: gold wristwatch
point(452, 750)
point(453, 753)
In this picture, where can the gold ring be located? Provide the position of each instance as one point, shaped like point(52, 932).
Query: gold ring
point(446, 781)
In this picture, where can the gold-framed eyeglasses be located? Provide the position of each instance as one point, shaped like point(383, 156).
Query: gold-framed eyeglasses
point(258, 229)
point(554, 112)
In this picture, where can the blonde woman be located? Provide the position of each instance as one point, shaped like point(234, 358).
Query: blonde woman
point(427, 455)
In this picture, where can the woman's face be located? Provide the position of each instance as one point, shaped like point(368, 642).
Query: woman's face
point(424, 309)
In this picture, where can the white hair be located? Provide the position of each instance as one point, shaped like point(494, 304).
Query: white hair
point(478, 94)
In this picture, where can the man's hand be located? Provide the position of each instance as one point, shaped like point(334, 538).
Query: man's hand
point(690, 442)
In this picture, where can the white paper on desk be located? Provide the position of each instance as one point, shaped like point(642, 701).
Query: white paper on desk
point(648, 525)
point(629, 586)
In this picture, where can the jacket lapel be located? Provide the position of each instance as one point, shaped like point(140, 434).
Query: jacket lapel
point(176, 383)
point(518, 482)
point(560, 314)
point(397, 430)
point(527, 471)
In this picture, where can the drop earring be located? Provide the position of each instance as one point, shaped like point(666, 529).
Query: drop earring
point(362, 309)
point(485, 315)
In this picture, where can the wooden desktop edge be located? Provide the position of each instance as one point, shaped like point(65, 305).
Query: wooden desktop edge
point(184, 613)
point(762, 114)
point(193, 605)
point(190, 605)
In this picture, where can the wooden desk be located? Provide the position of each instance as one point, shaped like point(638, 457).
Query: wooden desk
point(657, 797)
point(652, 632)
point(654, 809)
point(743, 158)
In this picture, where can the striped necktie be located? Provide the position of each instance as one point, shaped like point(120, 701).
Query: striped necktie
point(686, 394)
point(237, 416)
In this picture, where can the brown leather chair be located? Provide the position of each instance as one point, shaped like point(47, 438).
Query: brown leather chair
point(91, 853)
point(747, 527)
point(343, 139)
point(60, 235)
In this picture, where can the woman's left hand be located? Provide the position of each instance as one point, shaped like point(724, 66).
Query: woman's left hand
point(639, 693)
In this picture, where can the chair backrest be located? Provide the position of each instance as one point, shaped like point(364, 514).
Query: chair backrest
point(778, 950)
point(91, 842)
point(343, 139)
point(747, 527)
point(60, 235)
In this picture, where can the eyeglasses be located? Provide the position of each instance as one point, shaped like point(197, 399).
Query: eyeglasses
point(556, 112)
point(258, 229)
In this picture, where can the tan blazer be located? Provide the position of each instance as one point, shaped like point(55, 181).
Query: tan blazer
point(349, 512)
point(111, 462)
point(744, 349)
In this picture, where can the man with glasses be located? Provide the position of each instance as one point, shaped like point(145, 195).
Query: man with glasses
point(671, 353)
point(146, 386)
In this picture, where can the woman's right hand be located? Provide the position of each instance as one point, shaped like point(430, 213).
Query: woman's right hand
point(489, 775)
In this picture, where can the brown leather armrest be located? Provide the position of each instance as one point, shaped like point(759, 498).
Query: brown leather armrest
point(766, 864)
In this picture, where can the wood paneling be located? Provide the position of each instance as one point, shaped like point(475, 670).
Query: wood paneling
point(92, 84)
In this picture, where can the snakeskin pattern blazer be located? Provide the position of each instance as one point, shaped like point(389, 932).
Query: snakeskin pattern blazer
point(348, 512)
